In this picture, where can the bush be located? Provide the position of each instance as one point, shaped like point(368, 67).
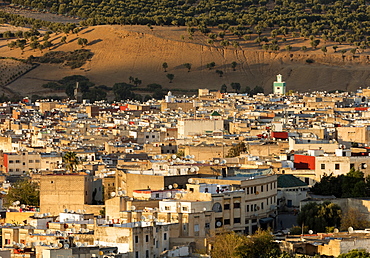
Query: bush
point(309, 61)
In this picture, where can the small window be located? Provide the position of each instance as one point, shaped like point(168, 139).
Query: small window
point(185, 208)
point(237, 205)
point(247, 208)
point(322, 166)
point(37, 161)
point(167, 208)
point(136, 239)
point(11, 161)
point(153, 136)
point(147, 136)
point(136, 254)
point(146, 253)
point(226, 206)
point(261, 188)
point(337, 166)
point(17, 161)
point(51, 182)
point(146, 238)
point(226, 222)
point(31, 161)
point(165, 236)
point(236, 220)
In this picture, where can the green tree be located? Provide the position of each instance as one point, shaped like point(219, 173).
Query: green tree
point(63, 40)
point(82, 42)
point(233, 65)
point(354, 218)
point(219, 72)
point(24, 191)
point(318, 217)
point(236, 150)
point(335, 47)
point(355, 254)
point(223, 88)
point(288, 48)
point(47, 44)
point(170, 76)
point(324, 50)
point(165, 66)
point(235, 86)
point(260, 245)
point(226, 244)
point(70, 161)
point(187, 66)
point(211, 65)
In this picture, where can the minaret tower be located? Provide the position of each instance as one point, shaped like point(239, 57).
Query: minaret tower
point(279, 86)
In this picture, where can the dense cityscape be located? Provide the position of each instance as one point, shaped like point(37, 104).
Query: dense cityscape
point(175, 177)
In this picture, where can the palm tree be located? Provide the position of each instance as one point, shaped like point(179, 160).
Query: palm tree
point(71, 161)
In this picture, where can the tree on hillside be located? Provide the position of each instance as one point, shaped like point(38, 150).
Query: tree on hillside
point(137, 82)
point(235, 86)
point(165, 66)
point(170, 76)
point(324, 50)
point(219, 72)
point(320, 217)
point(226, 245)
point(211, 65)
point(70, 161)
point(24, 191)
point(223, 88)
point(82, 42)
point(335, 47)
point(233, 65)
point(187, 66)
point(63, 40)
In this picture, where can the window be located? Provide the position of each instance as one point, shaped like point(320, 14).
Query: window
point(17, 170)
point(31, 161)
point(185, 208)
point(261, 188)
point(147, 136)
point(236, 220)
point(237, 205)
point(11, 170)
point(136, 239)
point(157, 195)
point(322, 166)
point(17, 161)
point(146, 238)
point(226, 221)
point(207, 225)
point(7, 241)
point(337, 166)
point(226, 206)
point(363, 166)
point(37, 161)
point(136, 254)
point(153, 136)
point(146, 253)
point(247, 209)
point(51, 182)
point(261, 205)
point(24, 163)
point(206, 190)
point(167, 208)
point(196, 228)
point(11, 161)
point(247, 190)
point(165, 236)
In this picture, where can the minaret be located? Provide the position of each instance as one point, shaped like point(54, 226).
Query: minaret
point(76, 91)
point(279, 85)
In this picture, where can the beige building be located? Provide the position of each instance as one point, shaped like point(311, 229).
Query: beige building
point(196, 127)
point(69, 191)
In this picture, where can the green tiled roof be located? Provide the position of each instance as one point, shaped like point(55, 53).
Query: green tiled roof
point(285, 181)
point(215, 113)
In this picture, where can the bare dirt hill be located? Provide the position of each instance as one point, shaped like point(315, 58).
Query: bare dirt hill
point(138, 51)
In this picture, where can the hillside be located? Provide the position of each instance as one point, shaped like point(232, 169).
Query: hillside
point(138, 51)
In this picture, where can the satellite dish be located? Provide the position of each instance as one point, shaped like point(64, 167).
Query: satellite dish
point(113, 194)
point(216, 161)
point(310, 232)
point(133, 208)
point(192, 170)
point(21, 246)
point(190, 180)
point(204, 209)
point(170, 187)
point(66, 246)
point(173, 156)
point(17, 202)
point(120, 193)
point(175, 185)
point(197, 182)
point(350, 230)
point(196, 169)
point(168, 195)
point(78, 244)
point(336, 230)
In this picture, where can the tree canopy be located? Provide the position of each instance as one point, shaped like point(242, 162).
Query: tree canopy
point(353, 184)
point(321, 217)
point(24, 191)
